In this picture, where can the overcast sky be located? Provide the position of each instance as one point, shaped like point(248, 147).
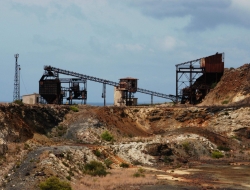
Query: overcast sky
point(112, 39)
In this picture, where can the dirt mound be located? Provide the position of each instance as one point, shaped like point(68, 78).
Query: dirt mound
point(233, 88)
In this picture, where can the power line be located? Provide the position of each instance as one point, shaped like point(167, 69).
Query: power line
point(24, 84)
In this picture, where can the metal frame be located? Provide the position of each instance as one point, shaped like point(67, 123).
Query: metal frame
point(186, 75)
point(50, 70)
point(16, 93)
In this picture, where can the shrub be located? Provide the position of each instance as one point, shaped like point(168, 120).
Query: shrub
point(186, 146)
point(167, 159)
point(74, 108)
point(53, 183)
point(107, 136)
point(136, 162)
point(139, 173)
point(95, 168)
point(19, 102)
point(97, 153)
point(217, 154)
point(108, 163)
point(225, 102)
point(26, 146)
point(60, 127)
point(68, 177)
point(124, 165)
point(224, 148)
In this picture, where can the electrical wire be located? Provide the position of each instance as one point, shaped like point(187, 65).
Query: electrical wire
point(24, 84)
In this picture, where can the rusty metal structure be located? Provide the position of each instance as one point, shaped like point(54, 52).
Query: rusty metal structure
point(52, 92)
point(194, 79)
point(126, 89)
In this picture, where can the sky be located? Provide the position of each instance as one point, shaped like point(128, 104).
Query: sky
point(113, 39)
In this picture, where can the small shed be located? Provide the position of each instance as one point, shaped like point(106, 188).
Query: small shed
point(31, 98)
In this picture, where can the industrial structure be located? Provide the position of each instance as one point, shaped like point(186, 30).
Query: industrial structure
point(124, 92)
point(194, 79)
point(16, 93)
point(52, 92)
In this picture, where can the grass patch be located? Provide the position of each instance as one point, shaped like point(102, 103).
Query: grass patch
point(53, 183)
point(95, 168)
point(74, 108)
point(107, 136)
point(217, 154)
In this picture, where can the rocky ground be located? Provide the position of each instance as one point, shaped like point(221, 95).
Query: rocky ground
point(164, 147)
point(172, 144)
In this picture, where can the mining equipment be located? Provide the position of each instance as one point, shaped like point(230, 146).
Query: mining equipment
point(194, 79)
point(51, 90)
point(124, 92)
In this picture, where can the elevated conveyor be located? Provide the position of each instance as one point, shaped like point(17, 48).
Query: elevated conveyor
point(51, 70)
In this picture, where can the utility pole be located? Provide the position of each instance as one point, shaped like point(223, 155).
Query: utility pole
point(16, 94)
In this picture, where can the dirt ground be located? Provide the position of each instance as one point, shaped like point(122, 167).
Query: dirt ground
point(164, 146)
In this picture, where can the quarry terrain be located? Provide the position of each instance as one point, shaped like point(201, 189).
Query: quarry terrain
point(167, 146)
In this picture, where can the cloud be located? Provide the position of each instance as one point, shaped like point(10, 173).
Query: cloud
point(205, 14)
point(130, 47)
point(37, 39)
point(47, 9)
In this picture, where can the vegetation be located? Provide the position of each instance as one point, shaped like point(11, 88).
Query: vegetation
point(224, 148)
point(19, 102)
point(124, 165)
point(225, 102)
point(139, 173)
point(217, 154)
point(136, 162)
point(95, 168)
point(186, 146)
point(108, 162)
point(107, 136)
point(53, 183)
point(97, 153)
point(74, 108)
point(167, 159)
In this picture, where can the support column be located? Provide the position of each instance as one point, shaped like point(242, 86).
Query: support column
point(85, 88)
point(104, 93)
point(176, 84)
